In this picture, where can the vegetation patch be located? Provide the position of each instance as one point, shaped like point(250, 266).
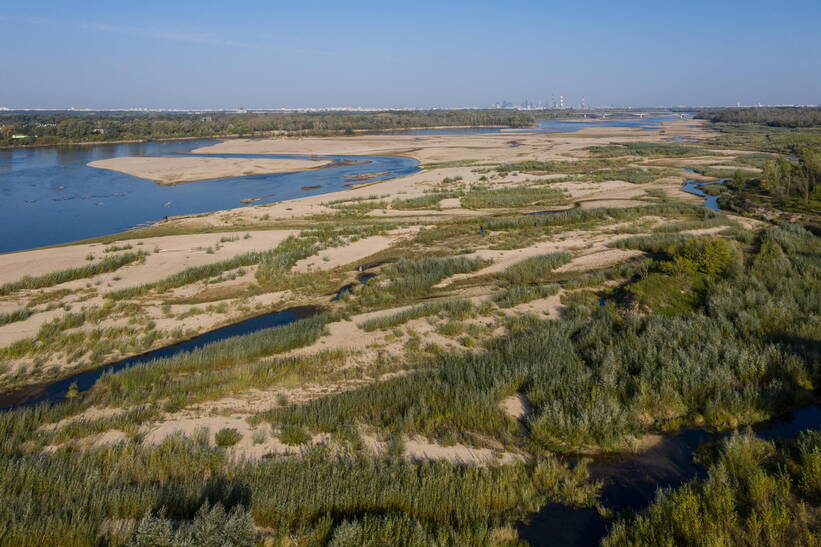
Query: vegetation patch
point(756, 492)
point(107, 264)
point(518, 196)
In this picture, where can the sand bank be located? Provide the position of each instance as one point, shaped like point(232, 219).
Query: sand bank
point(169, 171)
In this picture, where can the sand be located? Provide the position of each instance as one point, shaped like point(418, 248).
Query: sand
point(176, 253)
point(169, 170)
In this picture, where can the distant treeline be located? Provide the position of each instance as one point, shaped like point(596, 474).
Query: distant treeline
point(773, 116)
point(46, 128)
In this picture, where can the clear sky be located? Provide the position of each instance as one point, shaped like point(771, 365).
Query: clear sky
point(258, 54)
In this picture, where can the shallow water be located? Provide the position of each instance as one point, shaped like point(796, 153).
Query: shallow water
point(542, 126)
point(630, 481)
point(50, 195)
point(56, 391)
point(694, 187)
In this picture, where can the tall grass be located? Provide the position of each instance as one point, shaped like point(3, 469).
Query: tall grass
point(755, 493)
point(518, 196)
point(16, 315)
point(648, 149)
point(519, 294)
point(575, 217)
point(107, 264)
point(409, 278)
point(599, 376)
point(535, 268)
point(69, 501)
point(197, 372)
point(456, 309)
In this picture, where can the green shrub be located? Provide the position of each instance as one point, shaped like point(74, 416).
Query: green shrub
point(227, 437)
point(535, 268)
point(294, 435)
point(754, 494)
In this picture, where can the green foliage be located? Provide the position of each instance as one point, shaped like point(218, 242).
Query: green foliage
point(64, 127)
point(563, 167)
point(294, 435)
point(517, 196)
point(648, 149)
point(108, 264)
point(457, 309)
point(175, 489)
point(754, 494)
point(710, 255)
point(409, 278)
point(577, 217)
point(210, 527)
point(748, 352)
point(519, 294)
point(426, 201)
point(775, 116)
point(211, 370)
point(633, 174)
point(678, 294)
point(534, 268)
point(16, 315)
point(227, 437)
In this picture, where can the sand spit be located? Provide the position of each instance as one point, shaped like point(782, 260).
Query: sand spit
point(169, 170)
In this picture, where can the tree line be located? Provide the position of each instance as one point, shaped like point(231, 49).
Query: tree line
point(772, 116)
point(796, 176)
point(65, 127)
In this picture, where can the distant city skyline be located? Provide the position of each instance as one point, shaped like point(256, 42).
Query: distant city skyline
point(262, 55)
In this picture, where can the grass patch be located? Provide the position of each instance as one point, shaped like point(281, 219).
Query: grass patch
point(534, 268)
point(16, 315)
point(648, 150)
point(519, 294)
point(107, 264)
point(519, 196)
point(634, 175)
point(227, 437)
point(457, 309)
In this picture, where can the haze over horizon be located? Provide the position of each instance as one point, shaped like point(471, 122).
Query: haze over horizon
point(187, 55)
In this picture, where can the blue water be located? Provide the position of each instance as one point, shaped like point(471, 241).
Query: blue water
point(35, 212)
point(542, 126)
point(56, 391)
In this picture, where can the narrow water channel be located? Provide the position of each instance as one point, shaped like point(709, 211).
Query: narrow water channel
point(630, 481)
point(56, 391)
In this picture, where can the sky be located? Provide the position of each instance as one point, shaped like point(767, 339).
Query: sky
point(275, 54)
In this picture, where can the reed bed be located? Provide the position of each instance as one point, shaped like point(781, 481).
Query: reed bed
point(756, 492)
point(534, 268)
point(457, 309)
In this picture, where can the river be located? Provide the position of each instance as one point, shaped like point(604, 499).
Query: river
point(50, 392)
point(630, 481)
point(50, 195)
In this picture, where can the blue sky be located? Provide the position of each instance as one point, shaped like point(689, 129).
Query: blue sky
point(256, 54)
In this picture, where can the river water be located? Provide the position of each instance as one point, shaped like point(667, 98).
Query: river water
point(56, 391)
point(630, 481)
point(50, 195)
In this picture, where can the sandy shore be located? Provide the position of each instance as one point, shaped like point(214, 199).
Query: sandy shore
point(170, 171)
